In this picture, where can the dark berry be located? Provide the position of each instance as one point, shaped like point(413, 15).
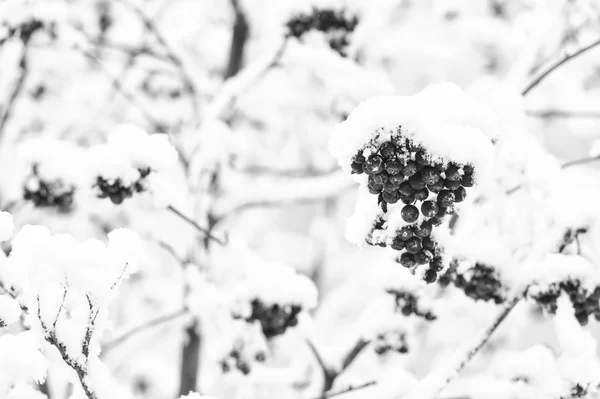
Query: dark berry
point(403, 349)
point(467, 180)
point(421, 158)
point(409, 213)
point(408, 199)
point(392, 166)
point(391, 198)
point(468, 168)
point(436, 264)
point(430, 175)
point(423, 256)
point(424, 230)
point(413, 245)
point(451, 184)
point(445, 198)
point(374, 188)
point(260, 357)
point(430, 276)
point(416, 181)
point(442, 211)
point(373, 165)
point(387, 149)
point(427, 243)
point(380, 178)
point(405, 233)
point(406, 189)
point(396, 179)
point(422, 194)
point(359, 158)
point(460, 194)
point(407, 260)
point(410, 169)
point(390, 187)
point(357, 168)
point(429, 209)
point(397, 244)
point(453, 173)
point(436, 187)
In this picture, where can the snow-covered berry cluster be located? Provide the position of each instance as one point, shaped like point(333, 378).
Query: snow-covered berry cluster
point(48, 194)
point(274, 319)
point(419, 156)
point(408, 303)
point(117, 190)
point(392, 340)
point(240, 359)
point(479, 282)
point(336, 24)
point(585, 303)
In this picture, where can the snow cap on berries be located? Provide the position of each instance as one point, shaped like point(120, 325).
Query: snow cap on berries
point(6, 226)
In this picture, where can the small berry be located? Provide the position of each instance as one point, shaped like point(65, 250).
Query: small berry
point(408, 199)
point(413, 245)
point(467, 180)
point(407, 260)
point(422, 194)
point(357, 168)
point(410, 169)
point(430, 175)
point(359, 158)
point(390, 187)
point(397, 244)
point(460, 194)
point(445, 198)
point(442, 211)
point(380, 178)
point(392, 166)
point(429, 209)
point(428, 243)
point(373, 165)
point(451, 184)
point(436, 221)
point(374, 188)
point(405, 233)
point(391, 198)
point(453, 173)
point(396, 179)
point(416, 181)
point(406, 189)
point(423, 256)
point(260, 357)
point(430, 276)
point(468, 168)
point(387, 149)
point(424, 230)
point(436, 187)
point(436, 264)
point(409, 213)
point(421, 158)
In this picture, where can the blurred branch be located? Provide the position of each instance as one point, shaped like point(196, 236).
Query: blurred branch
point(279, 192)
point(204, 231)
point(168, 248)
point(559, 113)
point(131, 332)
point(554, 66)
point(239, 38)
point(17, 88)
point(351, 388)
point(431, 385)
point(171, 55)
point(353, 353)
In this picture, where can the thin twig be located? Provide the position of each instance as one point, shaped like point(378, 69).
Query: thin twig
point(351, 388)
point(168, 248)
point(580, 161)
point(204, 231)
point(239, 38)
point(552, 67)
point(121, 338)
point(18, 87)
point(60, 309)
point(318, 356)
point(561, 113)
point(431, 385)
point(353, 353)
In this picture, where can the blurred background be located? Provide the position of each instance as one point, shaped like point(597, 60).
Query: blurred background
point(249, 96)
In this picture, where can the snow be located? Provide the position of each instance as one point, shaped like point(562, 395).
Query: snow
point(10, 311)
point(6, 226)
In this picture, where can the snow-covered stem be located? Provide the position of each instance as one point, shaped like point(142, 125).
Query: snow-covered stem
point(552, 67)
point(204, 231)
point(562, 113)
point(171, 55)
point(353, 353)
point(285, 192)
point(351, 388)
point(432, 384)
point(18, 87)
point(78, 367)
point(148, 324)
point(171, 251)
point(580, 161)
point(239, 38)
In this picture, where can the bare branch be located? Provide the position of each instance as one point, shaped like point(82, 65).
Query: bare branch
point(318, 357)
point(17, 88)
point(85, 347)
point(238, 40)
point(131, 332)
point(580, 161)
point(351, 388)
point(555, 65)
point(60, 309)
point(168, 248)
point(353, 353)
point(561, 113)
point(204, 231)
point(431, 385)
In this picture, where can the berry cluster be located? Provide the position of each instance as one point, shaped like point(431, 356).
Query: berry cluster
point(335, 24)
point(398, 171)
point(480, 282)
point(584, 302)
point(274, 319)
point(236, 358)
point(408, 304)
point(394, 340)
point(117, 191)
point(46, 194)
